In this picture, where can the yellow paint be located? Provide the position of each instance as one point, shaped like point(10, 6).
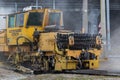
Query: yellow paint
point(47, 41)
point(95, 51)
point(13, 33)
point(65, 65)
point(3, 40)
point(91, 64)
point(73, 53)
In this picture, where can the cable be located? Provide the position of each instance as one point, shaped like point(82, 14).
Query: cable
point(24, 38)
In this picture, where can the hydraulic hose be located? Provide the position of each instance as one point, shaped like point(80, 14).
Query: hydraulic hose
point(17, 41)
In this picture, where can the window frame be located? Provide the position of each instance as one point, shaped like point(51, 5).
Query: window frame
point(19, 25)
point(9, 21)
point(54, 13)
point(42, 19)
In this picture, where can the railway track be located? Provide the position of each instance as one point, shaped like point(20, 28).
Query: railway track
point(82, 72)
point(22, 69)
point(94, 72)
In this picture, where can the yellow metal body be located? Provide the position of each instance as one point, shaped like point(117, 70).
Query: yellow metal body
point(91, 64)
point(48, 43)
point(27, 31)
point(3, 41)
point(66, 65)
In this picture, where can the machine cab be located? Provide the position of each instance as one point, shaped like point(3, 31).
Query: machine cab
point(24, 23)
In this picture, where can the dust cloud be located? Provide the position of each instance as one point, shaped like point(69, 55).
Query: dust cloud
point(113, 64)
point(115, 32)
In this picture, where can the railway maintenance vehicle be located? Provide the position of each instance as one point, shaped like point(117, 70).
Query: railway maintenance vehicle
point(36, 40)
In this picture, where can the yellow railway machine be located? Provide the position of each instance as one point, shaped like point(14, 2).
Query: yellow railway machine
point(36, 40)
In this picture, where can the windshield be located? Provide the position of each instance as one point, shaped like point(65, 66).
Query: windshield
point(19, 19)
point(54, 19)
point(35, 19)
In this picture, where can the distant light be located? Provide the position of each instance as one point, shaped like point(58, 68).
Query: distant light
point(77, 9)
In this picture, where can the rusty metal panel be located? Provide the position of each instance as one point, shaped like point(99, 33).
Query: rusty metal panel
point(47, 41)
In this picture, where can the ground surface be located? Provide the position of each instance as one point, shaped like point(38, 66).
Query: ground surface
point(69, 77)
point(111, 64)
point(6, 74)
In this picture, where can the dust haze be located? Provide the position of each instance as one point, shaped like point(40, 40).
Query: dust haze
point(73, 14)
point(115, 32)
point(112, 64)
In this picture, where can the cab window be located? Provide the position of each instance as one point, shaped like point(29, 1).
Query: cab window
point(19, 20)
point(35, 19)
point(11, 21)
point(54, 19)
